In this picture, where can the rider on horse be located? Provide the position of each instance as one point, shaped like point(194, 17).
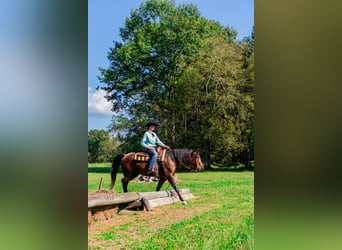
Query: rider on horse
point(149, 141)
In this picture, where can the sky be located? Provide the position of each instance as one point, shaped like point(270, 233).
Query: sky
point(106, 17)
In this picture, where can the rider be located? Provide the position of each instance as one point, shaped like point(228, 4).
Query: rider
point(149, 141)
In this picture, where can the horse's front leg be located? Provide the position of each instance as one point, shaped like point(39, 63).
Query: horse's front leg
point(160, 183)
point(173, 183)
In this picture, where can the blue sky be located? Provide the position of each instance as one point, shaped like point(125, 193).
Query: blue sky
point(106, 17)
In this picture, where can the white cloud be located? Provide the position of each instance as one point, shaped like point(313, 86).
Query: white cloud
point(97, 104)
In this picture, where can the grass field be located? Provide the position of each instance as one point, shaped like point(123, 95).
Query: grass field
point(221, 216)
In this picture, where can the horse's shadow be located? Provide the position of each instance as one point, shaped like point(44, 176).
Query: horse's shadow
point(100, 170)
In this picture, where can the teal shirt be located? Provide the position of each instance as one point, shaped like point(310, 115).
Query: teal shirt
point(151, 139)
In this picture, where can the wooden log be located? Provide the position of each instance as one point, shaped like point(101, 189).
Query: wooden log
point(150, 204)
point(101, 194)
point(122, 198)
point(136, 205)
point(106, 199)
point(146, 203)
point(110, 195)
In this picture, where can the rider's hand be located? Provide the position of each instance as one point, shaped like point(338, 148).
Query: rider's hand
point(167, 147)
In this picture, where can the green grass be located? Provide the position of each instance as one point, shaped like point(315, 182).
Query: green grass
point(220, 217)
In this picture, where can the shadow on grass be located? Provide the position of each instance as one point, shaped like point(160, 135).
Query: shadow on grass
point(98, 170)
point(101, 170)
point(227, 169)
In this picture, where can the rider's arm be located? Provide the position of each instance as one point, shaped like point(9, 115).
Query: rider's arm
point(159, 142)
point(144, 140)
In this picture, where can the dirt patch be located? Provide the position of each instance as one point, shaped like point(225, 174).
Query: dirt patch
point(101, 214)
point(104, 212)
point(138, 225)
point(106, 194)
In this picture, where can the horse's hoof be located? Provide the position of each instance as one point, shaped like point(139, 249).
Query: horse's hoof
point(184, 203)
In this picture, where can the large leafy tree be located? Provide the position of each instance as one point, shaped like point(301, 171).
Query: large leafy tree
point(213, 112)
point(159, 40)
point(188, 73)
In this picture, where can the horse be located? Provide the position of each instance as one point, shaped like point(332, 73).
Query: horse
point(188, 158)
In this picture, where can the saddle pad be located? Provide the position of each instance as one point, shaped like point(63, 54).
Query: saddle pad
point(141, 157)
point(145, 157)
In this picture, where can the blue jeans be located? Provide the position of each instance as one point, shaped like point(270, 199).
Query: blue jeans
point(153, 157)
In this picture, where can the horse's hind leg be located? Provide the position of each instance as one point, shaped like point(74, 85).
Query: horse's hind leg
point(125, 181)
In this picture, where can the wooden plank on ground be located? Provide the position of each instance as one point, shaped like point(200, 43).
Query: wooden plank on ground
point(112, 199)
point(150, 204)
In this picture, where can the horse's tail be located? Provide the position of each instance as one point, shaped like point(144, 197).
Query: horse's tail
point(114, 169)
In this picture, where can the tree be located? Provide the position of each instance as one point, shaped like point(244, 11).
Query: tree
point(188, 73)
point(159, 40)
point(213, 108)
point(215, 102)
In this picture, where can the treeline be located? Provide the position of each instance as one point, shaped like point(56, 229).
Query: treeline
point(102, 147)
point(188, 73)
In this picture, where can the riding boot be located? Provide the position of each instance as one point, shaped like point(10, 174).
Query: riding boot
point(150, 173)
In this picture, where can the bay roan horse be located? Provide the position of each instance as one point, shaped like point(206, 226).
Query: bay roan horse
point(188, 158)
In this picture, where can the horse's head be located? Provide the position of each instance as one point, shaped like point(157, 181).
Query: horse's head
point(196, 160)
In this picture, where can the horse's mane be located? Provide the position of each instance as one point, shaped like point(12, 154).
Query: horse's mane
point(183, 156)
